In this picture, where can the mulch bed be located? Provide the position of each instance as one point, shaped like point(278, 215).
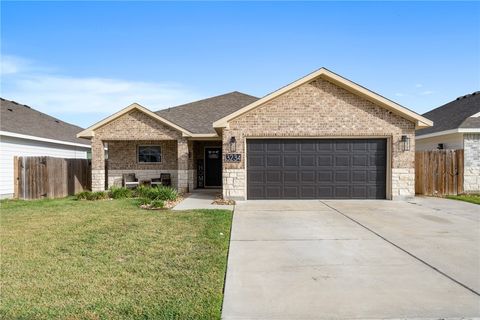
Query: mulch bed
point(220, 201)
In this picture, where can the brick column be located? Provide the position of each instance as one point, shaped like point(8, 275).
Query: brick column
point(182, 180)
point(98, 165)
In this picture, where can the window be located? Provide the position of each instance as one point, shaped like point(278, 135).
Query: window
point(149, 154)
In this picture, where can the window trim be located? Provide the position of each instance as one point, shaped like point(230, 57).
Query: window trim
point(148, 145)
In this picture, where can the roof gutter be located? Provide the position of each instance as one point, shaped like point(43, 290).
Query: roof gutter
point(28, 137)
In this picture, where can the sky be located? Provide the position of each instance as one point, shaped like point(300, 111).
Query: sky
point(82, 61)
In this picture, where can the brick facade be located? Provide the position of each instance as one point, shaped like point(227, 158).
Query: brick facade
point(317, 109)
point(322, 109)
point(123, 136)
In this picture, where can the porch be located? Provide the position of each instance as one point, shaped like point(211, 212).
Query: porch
point(191, 164)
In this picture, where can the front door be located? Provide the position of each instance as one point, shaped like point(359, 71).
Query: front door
point(213, 167)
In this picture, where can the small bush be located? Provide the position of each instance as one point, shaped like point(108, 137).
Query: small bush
point(143, 201)
point(166, 193)
point(83, 195)
point(92, 196)
point(120, 193)
point(157, 204)
point(141, 192)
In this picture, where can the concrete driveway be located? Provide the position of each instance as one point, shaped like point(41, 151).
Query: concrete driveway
point(354, 259)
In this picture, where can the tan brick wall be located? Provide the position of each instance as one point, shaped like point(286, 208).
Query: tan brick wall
point(123, 155)
point(123, 136)
point(137, 125)
point(322, 109)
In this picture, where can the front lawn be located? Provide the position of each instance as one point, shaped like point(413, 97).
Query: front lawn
point(472, 198)
point(108, 259)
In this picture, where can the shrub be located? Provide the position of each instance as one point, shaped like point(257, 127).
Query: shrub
point(141, 192)
point(166, 193)
point(157, 204)
point(89, 195)
point(83, 195)
point(120, 193)
point(143, 201)
point(156, 193)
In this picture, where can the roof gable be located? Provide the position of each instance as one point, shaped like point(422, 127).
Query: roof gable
point(90, 132)
point(420, 121)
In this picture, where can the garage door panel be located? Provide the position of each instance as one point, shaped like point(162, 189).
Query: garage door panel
point(291, 177)
point(256, 191)
point(274, 160)
point(360, 146)
point(360, 160)
point(325, 160)
point(275, 146)
point(307, 176)
point(316, 168)
point(324, 177)
point(256, 177)
point(324, 146)
point(359, 192)
point(255, 146)
point(273, 192)
point(342, 160)
point(290, 146)
point(272, 177)
point(342, 192)
point(376, 160)
point(308, 192)
point(342, 146)
point(359, 176)
point(308, 146)
point(307, 160)
point(325, 192)
point(256, 161)
point(342, 176)
point(291, 160)
point(290, 192)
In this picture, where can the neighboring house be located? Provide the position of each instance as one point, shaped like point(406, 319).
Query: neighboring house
point(457, 126)
point(320, 137)
point(27, 132)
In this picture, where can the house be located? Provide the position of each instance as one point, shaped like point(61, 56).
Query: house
point(457, 126)
point(322, 136)
point(25, 131)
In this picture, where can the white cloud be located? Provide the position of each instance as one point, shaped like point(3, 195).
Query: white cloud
point(51, 92)
point(398, 94)
point(11, 65)
point(427, 92)
point(418, 85)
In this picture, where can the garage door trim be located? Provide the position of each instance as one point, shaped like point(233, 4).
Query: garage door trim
point(388, 167)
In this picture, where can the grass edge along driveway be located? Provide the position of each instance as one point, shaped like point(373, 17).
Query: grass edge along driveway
point(472, 198)
point(109, 259)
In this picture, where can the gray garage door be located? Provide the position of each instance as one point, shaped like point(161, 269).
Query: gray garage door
point(316, 168)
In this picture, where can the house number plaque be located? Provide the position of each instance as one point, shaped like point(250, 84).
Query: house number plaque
point(233, 157)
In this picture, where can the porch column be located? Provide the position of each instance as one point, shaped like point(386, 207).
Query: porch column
point(98, 165)
point(182, 176)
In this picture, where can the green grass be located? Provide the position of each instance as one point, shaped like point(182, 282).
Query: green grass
point(472, 198)
point(68, 259)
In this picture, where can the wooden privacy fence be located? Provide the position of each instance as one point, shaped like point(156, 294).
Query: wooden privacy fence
point(439, 172)
point(48, 177)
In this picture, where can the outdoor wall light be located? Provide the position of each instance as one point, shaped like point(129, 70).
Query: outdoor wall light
point(233, 144)
point(405, 142)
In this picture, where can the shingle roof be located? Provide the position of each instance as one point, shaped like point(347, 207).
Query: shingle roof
point(22, 119)
point(198, 116)
point(455, 114)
